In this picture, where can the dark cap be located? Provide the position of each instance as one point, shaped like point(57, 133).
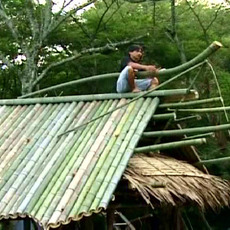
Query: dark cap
point(135, 48)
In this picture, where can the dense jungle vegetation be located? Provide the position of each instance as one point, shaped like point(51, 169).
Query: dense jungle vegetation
point(40, 48)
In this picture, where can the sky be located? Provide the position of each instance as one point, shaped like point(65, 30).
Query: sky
point(59, 3)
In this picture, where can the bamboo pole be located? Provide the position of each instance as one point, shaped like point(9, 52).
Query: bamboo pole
point(170, 145)
point(164, 116)
point(211, 161)
point(177, 132)
point(203, 110)
point(199, 136)
point(188, 118)
point(109, 96)
point(199, 58)
point(190, 103)
point(124, 218)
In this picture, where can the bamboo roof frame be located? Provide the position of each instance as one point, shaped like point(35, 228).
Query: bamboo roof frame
point(83, 205)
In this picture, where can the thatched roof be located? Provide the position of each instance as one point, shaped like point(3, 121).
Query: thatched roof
point(163, 180)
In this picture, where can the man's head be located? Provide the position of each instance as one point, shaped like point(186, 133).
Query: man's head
point(135, 52)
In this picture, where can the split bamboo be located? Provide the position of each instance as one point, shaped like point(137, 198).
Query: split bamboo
point(64, 166)
point(170, 145)
point(63, 170)
point(131, 141)
point(176, 132)
point(96, 180)
point(81, 153)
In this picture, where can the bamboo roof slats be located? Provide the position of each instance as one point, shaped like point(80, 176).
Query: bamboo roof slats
point(95, 97)
point(183, 182)
point(56, 179)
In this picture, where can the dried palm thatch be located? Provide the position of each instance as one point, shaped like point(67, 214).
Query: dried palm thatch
point(163, 181)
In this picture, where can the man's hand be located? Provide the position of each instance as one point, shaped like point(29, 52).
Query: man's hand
point(151, 68)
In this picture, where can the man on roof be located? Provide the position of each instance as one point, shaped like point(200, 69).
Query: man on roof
point(130, 64)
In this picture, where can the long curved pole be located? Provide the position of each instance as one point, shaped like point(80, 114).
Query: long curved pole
point(163, 72)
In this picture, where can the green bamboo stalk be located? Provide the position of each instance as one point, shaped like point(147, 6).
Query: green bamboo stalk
point(47, 100)
point(134, 99)
point(198, 117)
point(211, 161)
point(176, 132)
point(199, 58)
point(164, 116)
point(171, 145)
point(199, 136)
point(203, 110)
point(190, 103)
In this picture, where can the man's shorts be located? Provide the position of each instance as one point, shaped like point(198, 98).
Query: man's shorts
point(123, 84)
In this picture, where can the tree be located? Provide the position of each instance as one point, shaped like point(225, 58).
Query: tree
point(30, 24)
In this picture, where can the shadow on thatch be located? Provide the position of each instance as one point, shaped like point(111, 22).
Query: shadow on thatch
point(165, 180)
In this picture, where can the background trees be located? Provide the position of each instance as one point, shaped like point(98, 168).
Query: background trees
point(40, 47)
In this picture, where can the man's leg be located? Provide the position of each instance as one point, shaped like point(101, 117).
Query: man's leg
point(131, 80)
